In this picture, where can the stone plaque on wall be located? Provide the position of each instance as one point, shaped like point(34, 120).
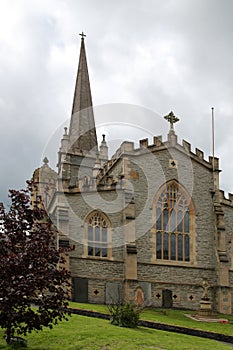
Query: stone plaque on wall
point(80, 289)
point(146, 287)
point(167, 298)
point(114, 293)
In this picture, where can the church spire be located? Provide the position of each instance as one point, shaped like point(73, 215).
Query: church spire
point(82, 130)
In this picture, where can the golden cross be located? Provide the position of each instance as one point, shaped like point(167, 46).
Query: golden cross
point(82, 35)
point(172, 119)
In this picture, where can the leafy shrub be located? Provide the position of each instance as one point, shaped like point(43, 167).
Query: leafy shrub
point(126, 315)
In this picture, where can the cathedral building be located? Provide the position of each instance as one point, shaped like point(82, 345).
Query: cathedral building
point(151, 223)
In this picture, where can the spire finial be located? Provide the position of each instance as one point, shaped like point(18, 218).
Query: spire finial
point(82, 35)
point(172, 119)
point(45, 161)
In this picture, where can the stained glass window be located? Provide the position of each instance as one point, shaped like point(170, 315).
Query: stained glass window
point(172, 209)
point(97, 235)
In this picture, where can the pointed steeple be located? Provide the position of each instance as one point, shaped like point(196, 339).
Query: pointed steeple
point(82, 130)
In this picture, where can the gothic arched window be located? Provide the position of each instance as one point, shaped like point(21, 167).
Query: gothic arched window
point(97, 227)
point(174, 216)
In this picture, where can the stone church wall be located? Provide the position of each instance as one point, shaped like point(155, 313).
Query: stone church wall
point(184, 282)
point(82, 206)
point(231, 284)
point(97, 271)
point(183, 296)
point(146, 174)
point(199, 185)
point(97, 268)
point(98, 274)
point(228, 221)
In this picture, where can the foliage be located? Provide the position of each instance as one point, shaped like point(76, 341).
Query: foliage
point(129, 316)
point(126, 315)
point(29, 272)
point(114, 310)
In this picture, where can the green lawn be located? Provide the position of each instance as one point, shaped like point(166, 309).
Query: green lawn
point(170, 316)
point(177, 317)
point(82, 332)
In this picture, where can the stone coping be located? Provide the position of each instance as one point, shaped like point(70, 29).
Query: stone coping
point(199, 318)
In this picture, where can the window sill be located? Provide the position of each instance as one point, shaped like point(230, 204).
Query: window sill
point(172, 263)
point(97, 258)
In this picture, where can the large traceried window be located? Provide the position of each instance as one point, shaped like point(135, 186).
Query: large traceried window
point(97, 235)
point(174, 215)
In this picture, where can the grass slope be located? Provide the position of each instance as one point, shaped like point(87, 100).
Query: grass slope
point(82, 332)
point(170, 316)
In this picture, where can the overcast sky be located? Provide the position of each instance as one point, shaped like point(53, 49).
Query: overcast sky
point(162, 55)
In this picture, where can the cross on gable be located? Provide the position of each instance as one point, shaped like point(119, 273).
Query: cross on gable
point(82, 35)
point(172, 119)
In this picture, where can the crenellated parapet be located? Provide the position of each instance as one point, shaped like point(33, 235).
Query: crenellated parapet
point(224, 200)
point(158, 144)
point(128, 149)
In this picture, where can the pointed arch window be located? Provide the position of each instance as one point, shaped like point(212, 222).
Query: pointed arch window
point(97, 235)
point(174, 218)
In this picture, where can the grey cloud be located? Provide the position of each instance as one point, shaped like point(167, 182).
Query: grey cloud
point(162, 55)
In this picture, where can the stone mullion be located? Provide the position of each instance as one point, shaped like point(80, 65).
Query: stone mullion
point(101, 241)
point(162, 230)
point(169, 245)
point(93, 242)
point(162, 245)
point(169, 233)
point(175, 232)
point(109, 242)
point(176, 246)
point(171, 200)
point(183, 246)
point(183, 234)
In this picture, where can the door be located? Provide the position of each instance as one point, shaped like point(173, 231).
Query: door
point(80, 289)
point(167, 298)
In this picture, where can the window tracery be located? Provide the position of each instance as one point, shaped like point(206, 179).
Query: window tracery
point(173, 215)
point(97, 229)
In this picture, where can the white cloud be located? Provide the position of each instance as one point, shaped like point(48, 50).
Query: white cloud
point(161, 55)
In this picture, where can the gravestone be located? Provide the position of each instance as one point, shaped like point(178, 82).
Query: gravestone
point(80, 289)
point(167, 298)
point(139, 297)
point(113, 293)
point(146, 287)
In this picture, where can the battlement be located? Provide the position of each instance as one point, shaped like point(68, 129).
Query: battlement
point(158, 143)
point(186, 146)
point(199, 155)
point(227, 201)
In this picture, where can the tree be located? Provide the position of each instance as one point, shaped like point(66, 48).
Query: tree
point(34, 284)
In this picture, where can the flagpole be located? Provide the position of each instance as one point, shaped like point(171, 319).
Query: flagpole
point(213, 139)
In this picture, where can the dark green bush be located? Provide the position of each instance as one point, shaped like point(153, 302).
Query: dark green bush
point(126, 315)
